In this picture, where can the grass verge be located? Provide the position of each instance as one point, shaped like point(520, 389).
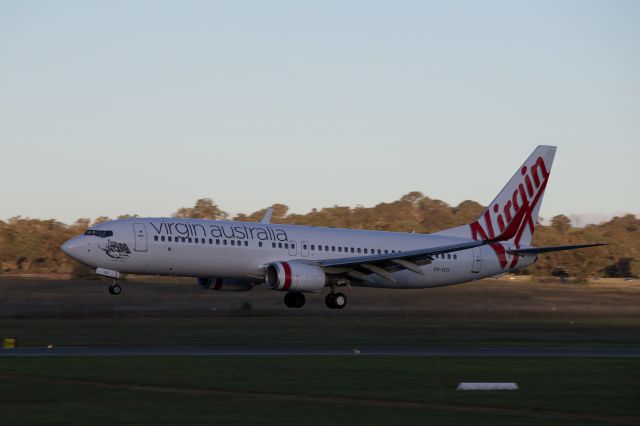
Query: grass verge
point(316, 390)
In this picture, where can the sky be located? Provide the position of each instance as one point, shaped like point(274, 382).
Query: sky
point(108, 108)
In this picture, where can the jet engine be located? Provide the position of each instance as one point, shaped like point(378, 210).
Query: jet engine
point(290, 276)
point(224, 284)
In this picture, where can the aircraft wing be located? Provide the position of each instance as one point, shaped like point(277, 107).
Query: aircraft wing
point(383, 264)
point(549, 249)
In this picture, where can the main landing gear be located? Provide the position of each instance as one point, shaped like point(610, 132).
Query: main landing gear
point(115, 288)
point(294, 299)
point(336, 300)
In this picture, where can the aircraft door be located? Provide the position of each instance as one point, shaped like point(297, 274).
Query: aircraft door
point(140, 235)
point(476, 254)
point(304, 249)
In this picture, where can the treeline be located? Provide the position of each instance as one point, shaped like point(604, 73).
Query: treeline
point(32, 245)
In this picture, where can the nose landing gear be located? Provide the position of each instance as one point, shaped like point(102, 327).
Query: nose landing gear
point(336, 300)
point(115, 288)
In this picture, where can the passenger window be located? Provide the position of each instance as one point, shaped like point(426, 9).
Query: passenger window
point(340, 249)
point(224, 242)
point(304, 246)
point(386, 251)
point(319, 248)
point(279, 245)
point(353, 250)
point(162, 238)
point(365, 251)
point(286, 245)
point(379, 251)
point(455, 256)
point(218, 241)
point(273, 245)
point(259, 243)
point(312, 247)
point(326, 248)
point(233, 243)
point(190, 240)
point(169, 239)
point(246, 243)
point(333, 248)
point(210, 241)
point(155, 238)
point(448, 256)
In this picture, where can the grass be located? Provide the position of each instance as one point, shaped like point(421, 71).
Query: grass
point(316, 391)
point(323, 331)
point(319, 390)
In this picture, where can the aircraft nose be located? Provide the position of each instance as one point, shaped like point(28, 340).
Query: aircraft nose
point(72, 247)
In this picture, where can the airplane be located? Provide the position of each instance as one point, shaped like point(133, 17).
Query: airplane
point(236, 256)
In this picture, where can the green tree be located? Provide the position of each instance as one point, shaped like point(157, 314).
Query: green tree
point(204, 208)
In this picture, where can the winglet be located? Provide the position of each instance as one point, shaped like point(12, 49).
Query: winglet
point(267, 216)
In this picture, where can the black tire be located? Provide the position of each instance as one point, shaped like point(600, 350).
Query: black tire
point(288, 300)
point(298, 300)
point(329, 301)
point(115, 289)
point(339, 300)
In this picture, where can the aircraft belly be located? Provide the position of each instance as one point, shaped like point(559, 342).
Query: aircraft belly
point(200, 261)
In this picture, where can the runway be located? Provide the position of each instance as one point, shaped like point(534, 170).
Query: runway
point(213, 351)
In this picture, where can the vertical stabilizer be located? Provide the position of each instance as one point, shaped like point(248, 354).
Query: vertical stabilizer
point(517, 205)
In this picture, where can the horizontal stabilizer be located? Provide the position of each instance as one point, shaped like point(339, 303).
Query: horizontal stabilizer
point(549, 249)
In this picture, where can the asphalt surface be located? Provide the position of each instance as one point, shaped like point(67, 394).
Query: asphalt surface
point(190, 351)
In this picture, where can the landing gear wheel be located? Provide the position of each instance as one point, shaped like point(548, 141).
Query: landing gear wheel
point(329, 301)
point(339, 300)
point(294, 299)
point(115, 289)
point(288, 301)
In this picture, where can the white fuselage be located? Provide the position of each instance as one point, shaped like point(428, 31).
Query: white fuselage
point(241, 250)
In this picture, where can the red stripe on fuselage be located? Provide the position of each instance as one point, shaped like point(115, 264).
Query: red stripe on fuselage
point(287, 275)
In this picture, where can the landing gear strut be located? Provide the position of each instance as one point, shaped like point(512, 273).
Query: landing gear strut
point(336, 300)
point(294, 299)
point(115, 288)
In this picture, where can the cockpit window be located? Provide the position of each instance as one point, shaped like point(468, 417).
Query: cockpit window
point(98, 233)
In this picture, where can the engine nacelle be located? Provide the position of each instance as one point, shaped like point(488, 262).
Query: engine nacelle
point(224, 284)
point(286, 276)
